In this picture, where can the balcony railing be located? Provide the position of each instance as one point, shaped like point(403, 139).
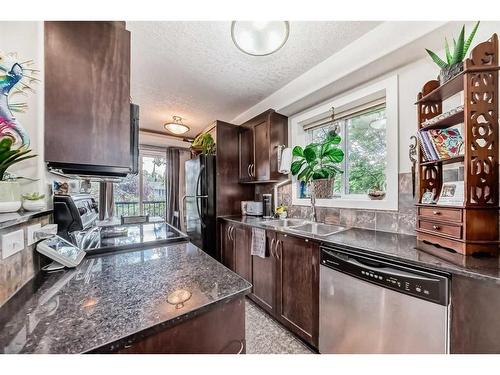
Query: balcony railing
point(151, 208)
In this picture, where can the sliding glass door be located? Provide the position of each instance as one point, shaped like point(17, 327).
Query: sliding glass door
point(145, 193)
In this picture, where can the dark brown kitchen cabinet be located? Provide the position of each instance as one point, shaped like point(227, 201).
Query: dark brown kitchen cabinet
point(220, 330)
point(259, 139)
point(245, 148)
point(236, 256)
point(298, 285)
point(286, 283)
point(264, 276)
point(87, 94)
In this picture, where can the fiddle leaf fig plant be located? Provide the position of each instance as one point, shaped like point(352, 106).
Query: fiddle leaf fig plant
point(460, 48)
point(317, 161)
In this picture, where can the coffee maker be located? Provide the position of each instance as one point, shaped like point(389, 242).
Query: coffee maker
point(267, 206)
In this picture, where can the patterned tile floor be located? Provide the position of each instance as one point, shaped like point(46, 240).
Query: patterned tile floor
point(265, 336)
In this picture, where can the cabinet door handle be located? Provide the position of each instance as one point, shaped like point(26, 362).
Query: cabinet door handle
point(436, 227)
point(242, 346)
point(253, 170)
point(248, 170)
point(436, 213)
point(271, 247)
point(278, 243)
point(231, 233)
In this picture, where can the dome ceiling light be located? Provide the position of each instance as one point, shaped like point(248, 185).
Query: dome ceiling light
point(260, 38)
point(176, 126)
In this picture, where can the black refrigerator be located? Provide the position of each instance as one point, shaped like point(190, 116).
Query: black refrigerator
point(199, 203)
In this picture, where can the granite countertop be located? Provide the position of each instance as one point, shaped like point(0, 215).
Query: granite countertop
point(113, 299)
point(401, 247)
point(13, 218)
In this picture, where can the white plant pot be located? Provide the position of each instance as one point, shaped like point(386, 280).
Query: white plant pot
point(37, 205)
point(10, 196)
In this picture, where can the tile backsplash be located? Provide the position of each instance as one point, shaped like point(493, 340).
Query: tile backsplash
point(19, 268)
point(401, 221)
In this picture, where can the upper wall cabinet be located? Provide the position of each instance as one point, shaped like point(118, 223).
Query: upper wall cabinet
point(87, 94)
point(259, 141)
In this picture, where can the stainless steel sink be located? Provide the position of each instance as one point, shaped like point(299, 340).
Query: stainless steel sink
point(318, 229)
point(284, 223)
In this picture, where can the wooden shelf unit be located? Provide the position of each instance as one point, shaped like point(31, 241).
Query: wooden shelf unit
point(474, 226)
point(457, 159)
point(455, 119)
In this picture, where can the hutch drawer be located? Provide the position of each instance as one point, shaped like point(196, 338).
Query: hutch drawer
point(440, 213)
point(440, 228)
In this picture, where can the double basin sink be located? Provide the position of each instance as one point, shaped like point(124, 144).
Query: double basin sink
point(304, 227)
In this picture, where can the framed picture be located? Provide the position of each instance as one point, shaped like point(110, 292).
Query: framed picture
point(452, 193)
point(427, 198)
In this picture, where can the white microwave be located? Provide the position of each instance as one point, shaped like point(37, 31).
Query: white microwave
point(252, 208)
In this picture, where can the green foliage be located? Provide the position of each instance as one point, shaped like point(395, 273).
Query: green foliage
point(367, 153)
point(35, 196)
point(205, 142)
point(460, 48)
point(9, 157)
point(317, 160)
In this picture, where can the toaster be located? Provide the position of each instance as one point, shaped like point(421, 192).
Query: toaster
point(252, 208)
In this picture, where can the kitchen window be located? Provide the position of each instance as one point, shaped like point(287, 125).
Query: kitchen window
point(144, 193)
point(367, 122)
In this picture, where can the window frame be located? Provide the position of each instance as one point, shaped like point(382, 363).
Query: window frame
point(387, 88)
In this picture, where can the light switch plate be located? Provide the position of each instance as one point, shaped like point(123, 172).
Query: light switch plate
point(12, 243)
point(31, 233)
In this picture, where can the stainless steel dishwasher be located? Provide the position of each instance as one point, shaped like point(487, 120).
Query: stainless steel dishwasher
point(372, 305)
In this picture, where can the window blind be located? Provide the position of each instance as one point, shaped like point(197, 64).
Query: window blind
point(342, 113)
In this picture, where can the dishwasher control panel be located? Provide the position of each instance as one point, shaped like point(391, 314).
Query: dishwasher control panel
point(405, 279)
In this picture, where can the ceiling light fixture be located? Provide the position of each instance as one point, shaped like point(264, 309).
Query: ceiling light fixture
point(176, 126)
point(258, 38)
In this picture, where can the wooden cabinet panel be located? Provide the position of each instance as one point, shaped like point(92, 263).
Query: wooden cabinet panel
point(441, 228)
point(87, 93)
point(246, 153)
point(220, 330)
point(227, 247)
point(440, 213)
point(285, 282)
point(258, 147)
point(298, 286)
point(264, 276)
point(261, 144)
point(241, 236)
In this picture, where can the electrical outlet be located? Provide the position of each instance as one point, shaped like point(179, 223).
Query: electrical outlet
point(31, 233)
point(12, 243)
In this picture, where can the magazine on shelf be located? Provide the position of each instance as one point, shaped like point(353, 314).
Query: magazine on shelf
point(447, 142)
point(441, 144)
point(452, 193)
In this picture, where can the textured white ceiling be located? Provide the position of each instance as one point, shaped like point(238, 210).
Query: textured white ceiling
point(193, 69)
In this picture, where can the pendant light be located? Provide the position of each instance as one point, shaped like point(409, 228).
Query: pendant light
point(260, 38)
point(176, 126)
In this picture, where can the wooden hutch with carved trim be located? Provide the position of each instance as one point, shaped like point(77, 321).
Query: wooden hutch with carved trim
point(472, 227)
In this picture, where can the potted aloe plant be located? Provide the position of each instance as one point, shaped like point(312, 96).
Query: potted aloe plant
point(316, 165)
point(33, 201)
point(454, 61)
point(10, 195)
